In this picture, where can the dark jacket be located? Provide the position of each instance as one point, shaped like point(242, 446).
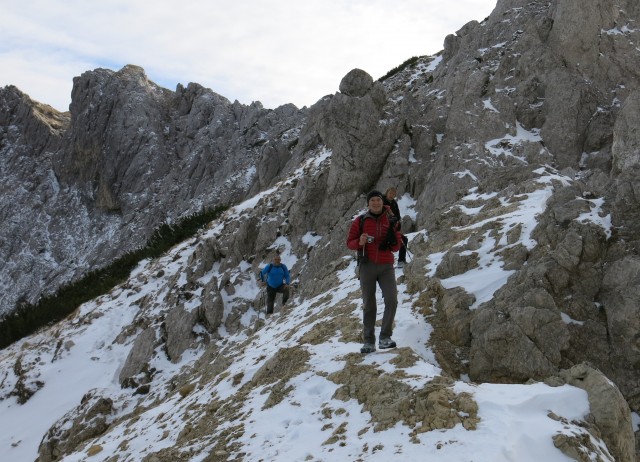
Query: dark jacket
point(393, 205)
point(378, 228)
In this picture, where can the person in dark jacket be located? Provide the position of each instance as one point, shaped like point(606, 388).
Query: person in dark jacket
point(390, 200)
point(378, 239)
point(277, 279)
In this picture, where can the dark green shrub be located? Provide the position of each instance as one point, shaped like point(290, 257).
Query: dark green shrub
point(395, 70)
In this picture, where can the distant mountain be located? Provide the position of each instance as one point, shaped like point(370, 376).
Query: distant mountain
point(80, 189)
point(515, 154)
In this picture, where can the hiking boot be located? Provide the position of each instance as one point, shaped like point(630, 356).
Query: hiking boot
point(386, 343)
point(368, 348)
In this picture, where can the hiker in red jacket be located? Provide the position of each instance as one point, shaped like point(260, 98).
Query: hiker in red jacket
point(376, 239)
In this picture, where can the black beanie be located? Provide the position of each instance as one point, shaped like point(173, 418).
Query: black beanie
point(374, 193)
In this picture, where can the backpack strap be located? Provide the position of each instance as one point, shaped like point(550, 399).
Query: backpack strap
point(266, 273)
point(361, 222)
point(360, 251)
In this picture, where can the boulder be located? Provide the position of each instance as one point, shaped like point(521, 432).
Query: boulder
point(89, 420)
point(139, 355)
point(356, 83)
point(609, 411)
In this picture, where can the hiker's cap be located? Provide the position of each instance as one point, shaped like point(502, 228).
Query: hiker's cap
point(374, 193)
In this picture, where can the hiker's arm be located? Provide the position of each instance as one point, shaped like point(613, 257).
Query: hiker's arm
point(354, 241)
point(396, 247)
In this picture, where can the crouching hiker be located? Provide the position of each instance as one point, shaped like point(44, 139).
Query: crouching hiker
point(374, 235)
point(277, 278)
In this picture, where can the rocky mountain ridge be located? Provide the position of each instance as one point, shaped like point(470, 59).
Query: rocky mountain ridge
point(517, 151)
point(127, 157)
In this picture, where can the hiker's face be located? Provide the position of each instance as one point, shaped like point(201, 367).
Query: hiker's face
point(391, 194)
point(376, 204)
point(276, 260)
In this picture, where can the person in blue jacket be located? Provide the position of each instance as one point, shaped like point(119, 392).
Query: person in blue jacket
point(277, 279)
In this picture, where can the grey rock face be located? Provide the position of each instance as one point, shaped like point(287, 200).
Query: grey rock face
point(212, 308)
point(621, 300)
point(609, 410)
point(139, 355)
point(626, 136)
point(179, 331)
point(536, 334)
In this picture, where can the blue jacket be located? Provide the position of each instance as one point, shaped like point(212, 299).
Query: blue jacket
point(275, 275)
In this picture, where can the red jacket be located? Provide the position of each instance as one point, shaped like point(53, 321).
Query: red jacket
point(377, 227)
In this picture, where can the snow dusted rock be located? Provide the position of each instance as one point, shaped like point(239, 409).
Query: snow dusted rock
point(178, 329)
point(26, 382)
point(212, 307)
point(139, 357)
point(89, 420)
point(433, 407)
point(453, 263)
point(609, 411)
point(207, 252)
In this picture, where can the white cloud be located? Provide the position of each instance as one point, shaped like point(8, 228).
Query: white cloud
point(274, 52)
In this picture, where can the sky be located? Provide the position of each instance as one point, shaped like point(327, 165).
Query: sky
point(514, 423)
point(275, 52)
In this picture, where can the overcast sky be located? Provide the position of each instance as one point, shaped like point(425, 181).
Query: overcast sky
point(275, 51)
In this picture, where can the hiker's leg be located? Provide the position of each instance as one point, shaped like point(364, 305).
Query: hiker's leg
point(271, 298)
point(368, 276)
point(387, 281)
point(285, 294)
point(402, 255)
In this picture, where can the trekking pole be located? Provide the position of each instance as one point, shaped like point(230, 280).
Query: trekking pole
point(261, 304)
point(409, 254)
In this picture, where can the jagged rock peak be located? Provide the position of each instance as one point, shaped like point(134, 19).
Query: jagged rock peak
point(18, 107)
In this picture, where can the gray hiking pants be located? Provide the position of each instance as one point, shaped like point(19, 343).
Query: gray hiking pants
point(385, 276)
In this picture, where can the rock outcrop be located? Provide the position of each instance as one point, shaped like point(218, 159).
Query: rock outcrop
point(609, 410)
point(87, 421)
